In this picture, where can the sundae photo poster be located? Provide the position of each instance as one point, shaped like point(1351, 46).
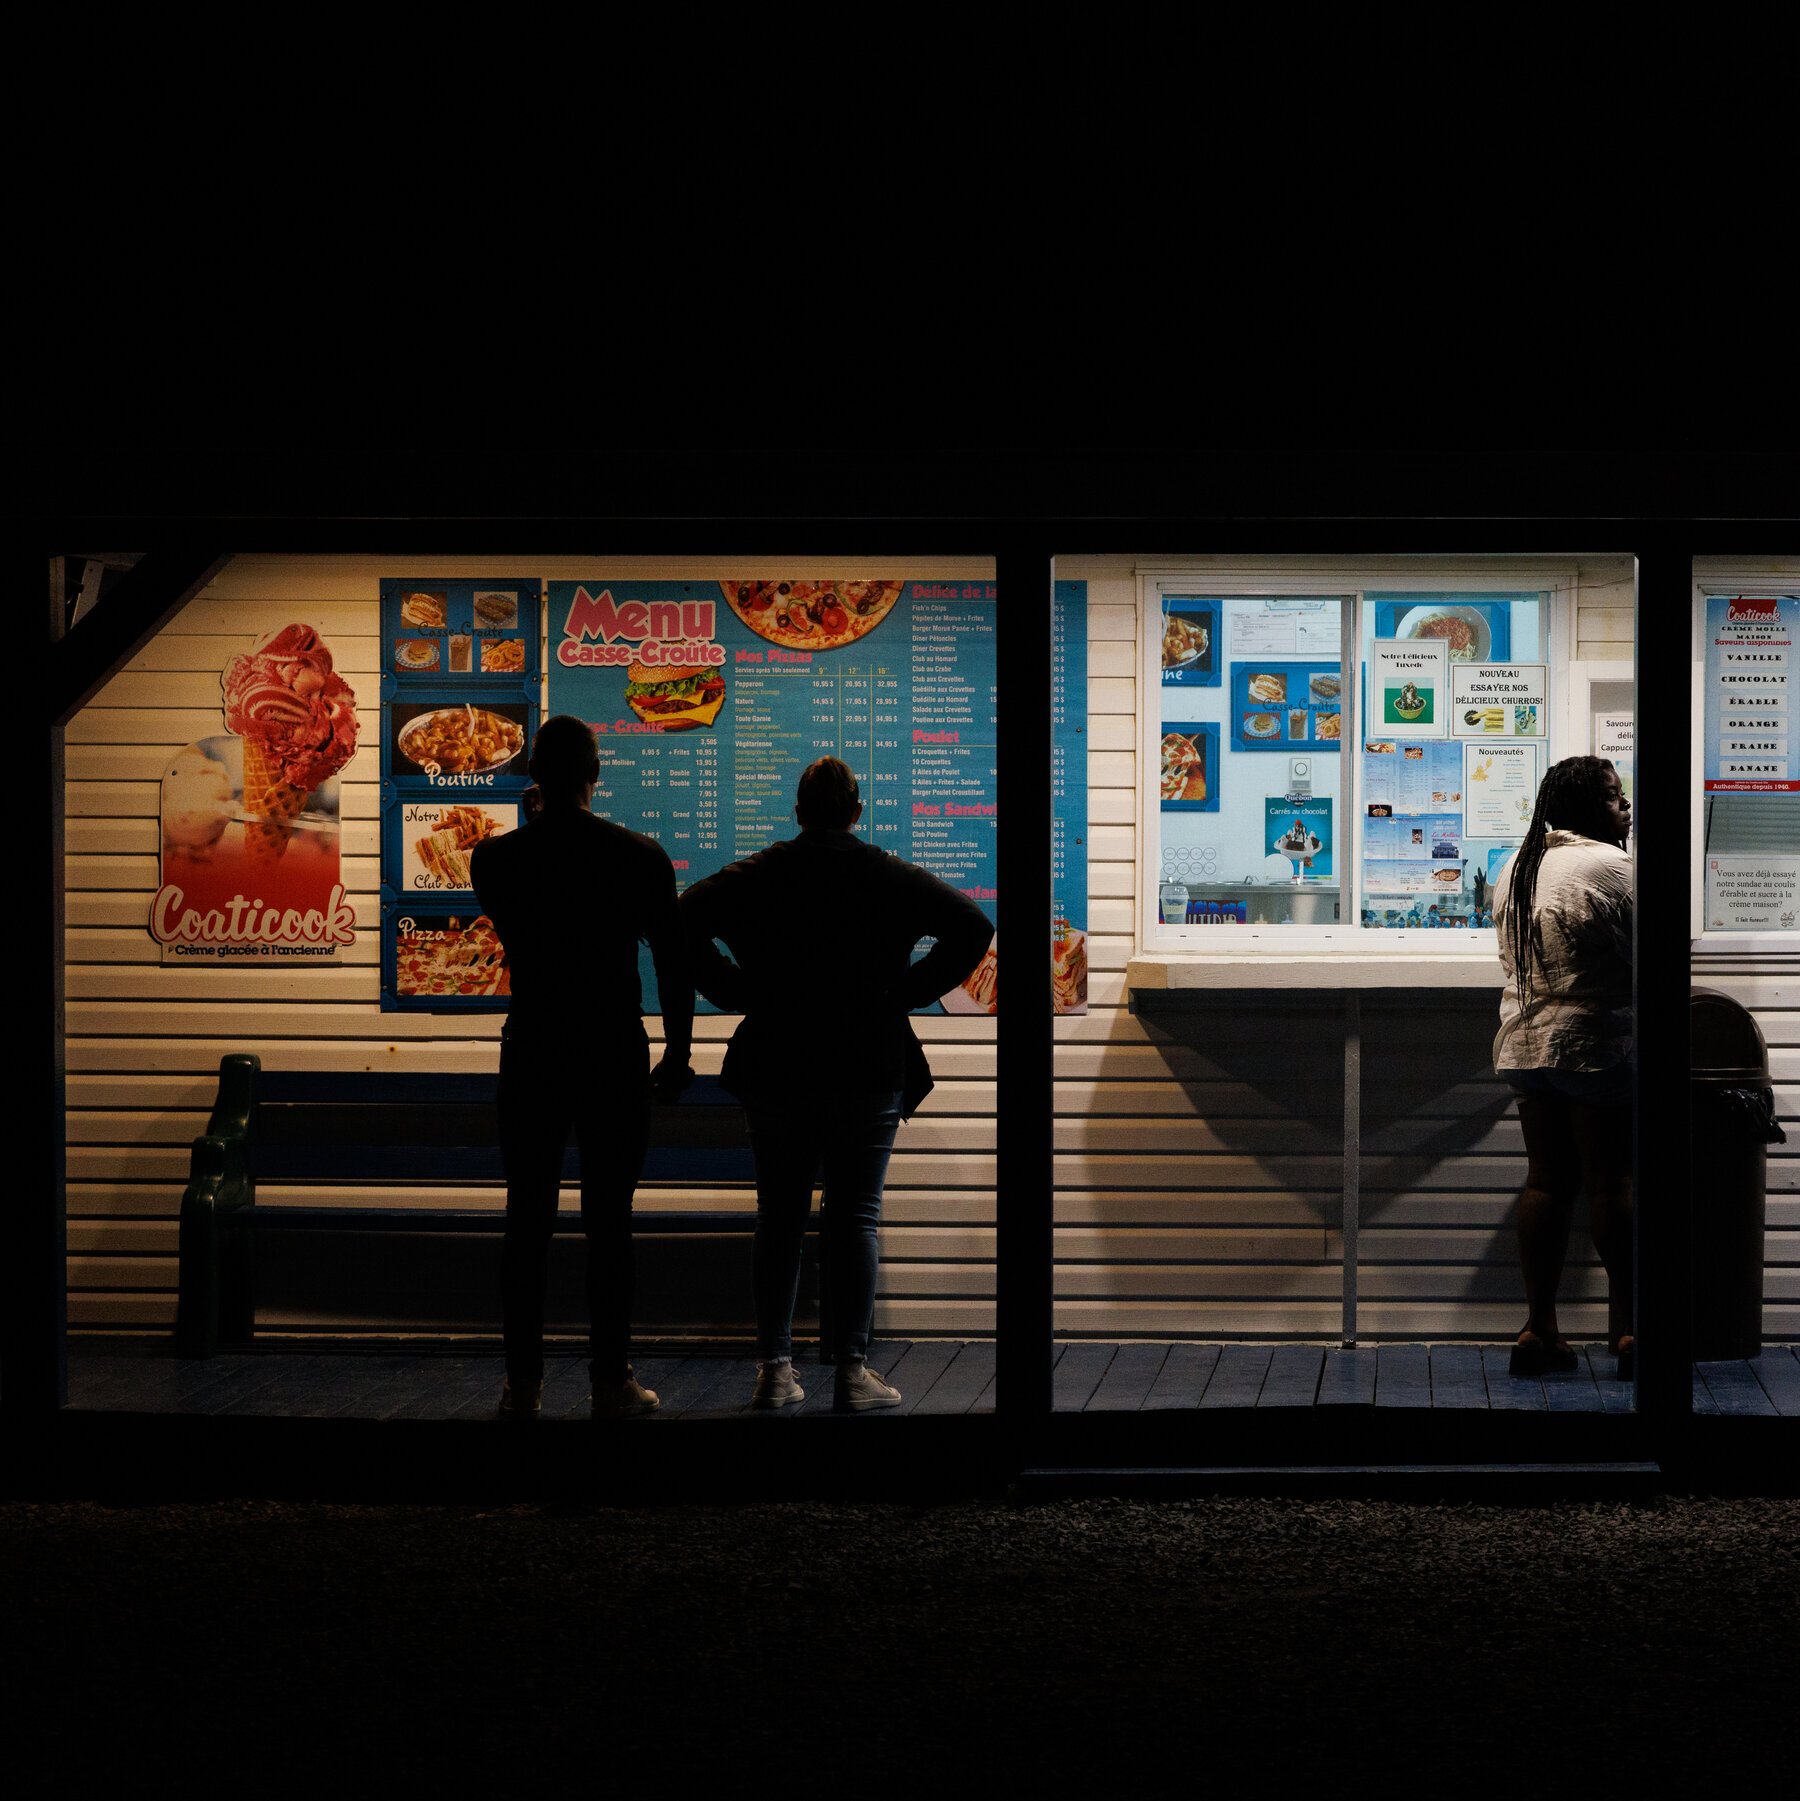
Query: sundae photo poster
point(1409, 688)
point(1300, 830)
point(249, 815)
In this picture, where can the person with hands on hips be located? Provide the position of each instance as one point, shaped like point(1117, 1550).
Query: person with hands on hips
point(572, 895)
point(821, 930)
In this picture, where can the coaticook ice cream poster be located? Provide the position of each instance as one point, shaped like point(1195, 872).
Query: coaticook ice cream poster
point(249, 816)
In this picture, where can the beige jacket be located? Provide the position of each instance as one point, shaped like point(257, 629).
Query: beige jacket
point(1577, 1013)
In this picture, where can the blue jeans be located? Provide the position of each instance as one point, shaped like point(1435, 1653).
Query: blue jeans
point(849, 1139)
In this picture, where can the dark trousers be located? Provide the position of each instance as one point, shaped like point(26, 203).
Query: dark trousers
point(602, 1091)
point(848, 1139)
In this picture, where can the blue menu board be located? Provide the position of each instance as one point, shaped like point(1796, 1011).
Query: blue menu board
point(459, 708)
point(1278, 703)
point(1069, 783)
point(710, 698)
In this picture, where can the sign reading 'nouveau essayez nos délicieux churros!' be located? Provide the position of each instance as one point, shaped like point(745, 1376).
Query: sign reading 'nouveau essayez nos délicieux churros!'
point(249, 816)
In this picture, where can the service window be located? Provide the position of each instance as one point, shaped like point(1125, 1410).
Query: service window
point(1337, 756)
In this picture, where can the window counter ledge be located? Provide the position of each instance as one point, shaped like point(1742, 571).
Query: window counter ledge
point(1331, 969)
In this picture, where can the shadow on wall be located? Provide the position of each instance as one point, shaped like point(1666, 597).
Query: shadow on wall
point(1443, 1157)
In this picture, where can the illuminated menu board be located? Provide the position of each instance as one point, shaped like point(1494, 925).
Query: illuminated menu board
point(710, 698)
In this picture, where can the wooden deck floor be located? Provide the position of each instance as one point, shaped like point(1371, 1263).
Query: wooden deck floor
point(934, 1377)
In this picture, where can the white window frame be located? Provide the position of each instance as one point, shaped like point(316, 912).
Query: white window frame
point(1327, 579)
point(1711, 579)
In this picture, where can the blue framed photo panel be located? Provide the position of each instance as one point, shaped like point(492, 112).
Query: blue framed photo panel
point(1279, 704)
point(1192, 769)
point(471, 634)
point(1190, 642)
point(1477, 628)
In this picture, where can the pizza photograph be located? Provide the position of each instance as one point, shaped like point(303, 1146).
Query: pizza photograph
point(1183, 767)
point(811, 615)
point(446, 957)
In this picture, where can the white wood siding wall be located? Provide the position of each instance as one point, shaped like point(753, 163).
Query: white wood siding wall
point(144, 1042)
point(1197, 1172)
point(1198, 1166)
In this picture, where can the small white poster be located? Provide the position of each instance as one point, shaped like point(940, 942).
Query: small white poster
point(1408, 688)
point(1500, 700)
point(1615, 739)
point(1752, 894)
point(1500, 784)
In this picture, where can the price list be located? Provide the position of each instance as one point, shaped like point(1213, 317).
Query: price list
point(1069, 784)
point(704, 729)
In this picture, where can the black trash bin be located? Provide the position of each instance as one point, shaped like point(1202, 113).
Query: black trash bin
point(1734, 1123)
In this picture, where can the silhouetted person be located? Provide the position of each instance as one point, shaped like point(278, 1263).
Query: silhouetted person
point(1566, 1046)
point(822, 928)
point(572, 896)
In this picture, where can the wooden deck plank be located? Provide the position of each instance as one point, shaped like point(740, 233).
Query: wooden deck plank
point(1403, 1376)
point(1293, 1379)
point(962, 1383)
point(1615, 1396)
point(1456, 1376)
point(1574, 1391)
point(566, 1386)
point(1128, 1378)
point(1507, 1393)
point(1348, 1379)
point(444, 1386)
point(914, 1375)
point(1703, 1400)
point(1735, 1389)
point(208, 1384)
point(1077, 1375)
point(1183, 1378)
point(1778, 1370)
point(1238, 1380)
point(317, 1387)
point(127, 1382)
point(711, 1386)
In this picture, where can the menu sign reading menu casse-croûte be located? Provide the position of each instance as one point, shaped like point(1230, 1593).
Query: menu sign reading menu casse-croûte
point(710, 698)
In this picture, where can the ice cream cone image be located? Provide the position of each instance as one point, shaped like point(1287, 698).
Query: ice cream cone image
point(271, 806)
point(297, 718)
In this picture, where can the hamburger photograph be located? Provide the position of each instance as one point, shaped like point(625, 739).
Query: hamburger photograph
point(676, 696)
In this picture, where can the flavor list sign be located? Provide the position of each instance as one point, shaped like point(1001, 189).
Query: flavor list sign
point(710, 698)
point(459, 708)
point(1069, 783)
point(1751, 744)
point(249, 816)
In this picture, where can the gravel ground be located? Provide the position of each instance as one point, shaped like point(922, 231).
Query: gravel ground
point(1263, 1642)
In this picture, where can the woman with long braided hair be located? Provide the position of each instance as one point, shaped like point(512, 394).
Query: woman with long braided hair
point(1563, 911)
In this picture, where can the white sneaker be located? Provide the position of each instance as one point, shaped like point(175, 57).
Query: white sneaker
point(859, 1388)
point(776, 1386)
point(630, 1400)
point(524, 1403)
